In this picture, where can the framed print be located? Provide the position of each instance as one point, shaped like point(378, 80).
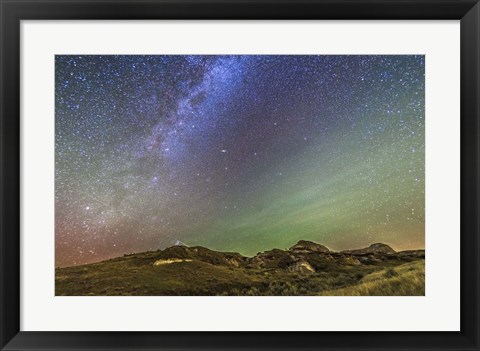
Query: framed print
point(239, 175)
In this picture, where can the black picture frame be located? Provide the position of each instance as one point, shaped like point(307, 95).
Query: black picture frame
point(13, 11)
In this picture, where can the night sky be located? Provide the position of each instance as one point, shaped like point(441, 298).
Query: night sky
point(237, 153)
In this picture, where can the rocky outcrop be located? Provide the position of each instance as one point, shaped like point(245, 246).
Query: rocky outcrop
point(303, 257)
point(348, 260)
point(198, 253)
point(377, 248)
point(301, 266)
point(275, 258)
point(306, 246)
point(170, 261)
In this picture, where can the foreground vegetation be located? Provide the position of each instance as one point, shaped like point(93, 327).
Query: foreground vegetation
point(405, 280)
point(305, 269)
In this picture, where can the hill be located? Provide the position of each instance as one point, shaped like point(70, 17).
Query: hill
point(377, 248)
point(307, 268)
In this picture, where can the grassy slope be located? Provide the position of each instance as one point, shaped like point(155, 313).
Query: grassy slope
point(125, 278)
point(405, 280)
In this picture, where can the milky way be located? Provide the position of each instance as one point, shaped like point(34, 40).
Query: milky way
point(237, 153)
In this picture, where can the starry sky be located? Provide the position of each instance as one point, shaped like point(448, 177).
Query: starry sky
point(237, 153)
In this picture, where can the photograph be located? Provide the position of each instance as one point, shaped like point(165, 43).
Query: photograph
point(239, 175)
point(274, 175)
